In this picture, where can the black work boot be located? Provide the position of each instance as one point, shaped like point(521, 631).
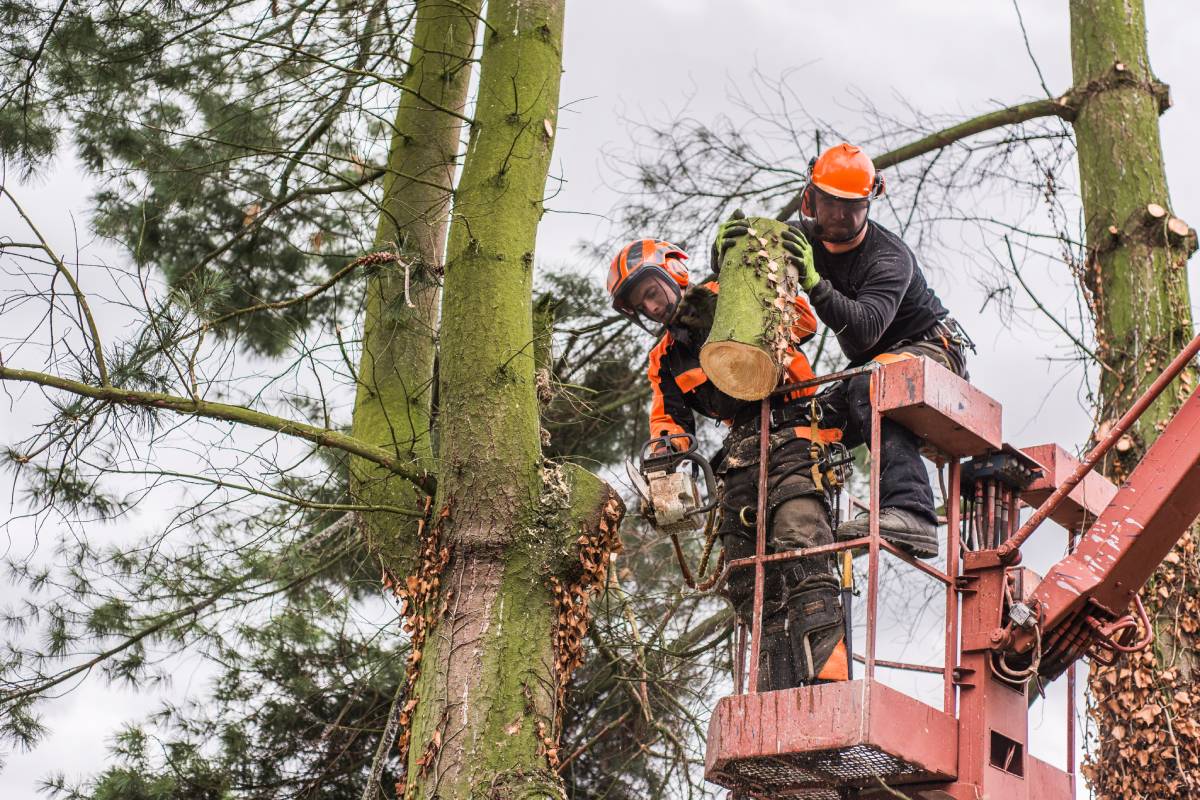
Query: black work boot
point(912, 534)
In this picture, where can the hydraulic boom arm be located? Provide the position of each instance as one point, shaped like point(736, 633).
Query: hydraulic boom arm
point(1081, 605)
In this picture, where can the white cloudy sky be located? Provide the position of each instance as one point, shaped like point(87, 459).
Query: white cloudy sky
point(625, 59)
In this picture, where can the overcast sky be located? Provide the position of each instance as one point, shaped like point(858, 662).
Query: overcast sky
point(628, 59)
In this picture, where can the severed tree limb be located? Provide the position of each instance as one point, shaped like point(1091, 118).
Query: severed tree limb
point(1063, 107)
point(229, 413)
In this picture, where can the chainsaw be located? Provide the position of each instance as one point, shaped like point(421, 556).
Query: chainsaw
point(670, 497)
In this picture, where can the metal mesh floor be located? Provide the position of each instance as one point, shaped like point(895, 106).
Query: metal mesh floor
point(817, 775)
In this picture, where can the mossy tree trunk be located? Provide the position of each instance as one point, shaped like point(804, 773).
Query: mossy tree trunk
point(484, 709)
point(1148, 720)
point(396, 370)
point(746, 350)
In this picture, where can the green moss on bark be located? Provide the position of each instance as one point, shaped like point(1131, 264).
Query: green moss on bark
point(393, 403)
point(745, 350)
point(486, 690)
point(1136, 278)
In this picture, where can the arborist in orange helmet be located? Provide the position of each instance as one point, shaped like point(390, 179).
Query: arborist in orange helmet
point(866, 285)
point(802, 614)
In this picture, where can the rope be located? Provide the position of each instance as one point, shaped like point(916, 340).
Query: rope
point(710, 538)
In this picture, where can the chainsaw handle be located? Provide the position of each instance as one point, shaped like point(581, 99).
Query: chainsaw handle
point(651, 456)
point(710, 481)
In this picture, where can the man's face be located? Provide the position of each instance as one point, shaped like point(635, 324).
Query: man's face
point(838, 219)
point(653, 298)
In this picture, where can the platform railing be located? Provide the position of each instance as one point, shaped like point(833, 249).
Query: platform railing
point(873, 542)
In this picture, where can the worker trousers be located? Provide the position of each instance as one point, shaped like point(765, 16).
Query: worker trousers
point(802, 613)
point(903, 481)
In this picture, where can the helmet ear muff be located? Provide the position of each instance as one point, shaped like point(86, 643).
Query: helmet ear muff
point(880, 187)
point(806, 209)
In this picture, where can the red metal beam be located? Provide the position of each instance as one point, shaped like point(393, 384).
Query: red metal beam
point(1145, 519)
point(760, 541)
point(1009, 548)
point(939, 406)
point(1083, 504)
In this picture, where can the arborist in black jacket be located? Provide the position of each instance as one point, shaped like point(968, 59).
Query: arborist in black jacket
point(802, 613)
point(865, 284)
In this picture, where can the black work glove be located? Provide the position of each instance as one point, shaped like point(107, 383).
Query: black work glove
point(695, 312)
point(729, 231)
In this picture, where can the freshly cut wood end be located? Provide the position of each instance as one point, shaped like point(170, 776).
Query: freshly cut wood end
point(1178, 227)
point(744, 371)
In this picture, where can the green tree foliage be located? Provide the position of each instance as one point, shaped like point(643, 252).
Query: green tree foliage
point(235, 141)
point(240, 150)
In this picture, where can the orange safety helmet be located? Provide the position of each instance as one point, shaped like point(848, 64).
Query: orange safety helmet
point(642, 265)
point(841, 185)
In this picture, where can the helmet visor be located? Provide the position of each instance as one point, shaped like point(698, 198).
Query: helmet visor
point(837, 219)
point(651, 293)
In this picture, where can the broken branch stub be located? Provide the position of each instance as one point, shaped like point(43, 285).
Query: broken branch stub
point(747, 348)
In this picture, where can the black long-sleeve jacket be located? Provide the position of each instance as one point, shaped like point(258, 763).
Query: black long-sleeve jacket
point(873, 296)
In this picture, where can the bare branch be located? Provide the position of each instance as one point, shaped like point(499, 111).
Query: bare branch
point(1052, 317)
point(1053, 107)
point(66, 273)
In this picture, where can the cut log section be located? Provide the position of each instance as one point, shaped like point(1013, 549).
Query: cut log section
point(747, 348)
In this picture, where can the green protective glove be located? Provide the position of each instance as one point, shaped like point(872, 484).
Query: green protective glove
point(800, 256)
point(727, 234)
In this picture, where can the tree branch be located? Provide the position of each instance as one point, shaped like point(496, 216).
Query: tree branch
point(1062, 107)
point(229, 413)
point(221, 483)
point(1053, 318)
point(66, 273)
point(194, 610)
point(370, 259)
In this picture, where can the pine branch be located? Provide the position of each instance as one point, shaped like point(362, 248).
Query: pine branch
point(1062, 107)
point(221, 483)
point(370, 259)
point(66, 273)
point(229, 413)
point(193, 610)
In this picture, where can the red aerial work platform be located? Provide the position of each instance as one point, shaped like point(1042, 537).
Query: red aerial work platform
point(1005, 625)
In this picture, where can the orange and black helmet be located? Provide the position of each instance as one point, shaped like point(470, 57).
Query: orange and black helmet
point(841, 185)
point(647, 277)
